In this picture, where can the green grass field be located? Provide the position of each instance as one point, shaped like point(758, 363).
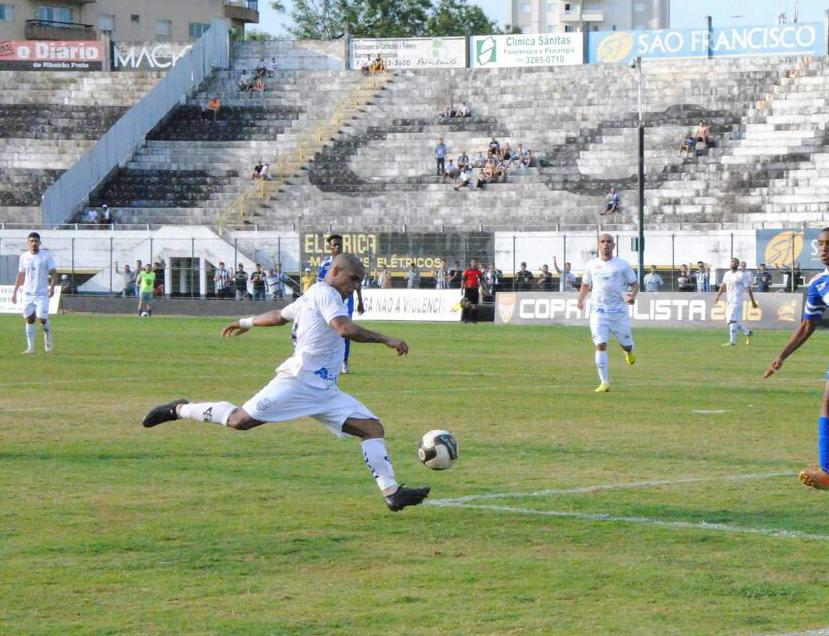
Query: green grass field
point(668, 506)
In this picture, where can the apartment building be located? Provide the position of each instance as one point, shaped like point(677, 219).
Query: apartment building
point(122, 20)
point(552, 16)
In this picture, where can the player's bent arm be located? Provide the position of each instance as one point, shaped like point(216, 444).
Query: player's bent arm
point(360, 307)
point(273, 318)
point(346, 328)
point(720, 292)
point(583, 291)
point(804, 331)
point(21, 277)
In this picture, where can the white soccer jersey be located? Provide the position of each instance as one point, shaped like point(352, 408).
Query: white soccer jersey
point(37, 268)
point(736, 283)
point(318, 349)
point(608, 282)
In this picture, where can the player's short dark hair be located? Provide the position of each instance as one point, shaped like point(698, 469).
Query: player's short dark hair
point(332, 237)
point(34, 235)
point(826, 229)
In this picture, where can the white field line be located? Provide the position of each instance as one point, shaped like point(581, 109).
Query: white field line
point(710, 411)
point(605, 487)
point(822, 631)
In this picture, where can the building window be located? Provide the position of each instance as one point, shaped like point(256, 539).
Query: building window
point(526, 7)
point(54, 14)
point(135, 18)
point(6, 13)
point(567, 7)
point(569, 28)
point(197, 29)
point(106, 22)
point(594, 27)
point(163, 29)
point(639, 7)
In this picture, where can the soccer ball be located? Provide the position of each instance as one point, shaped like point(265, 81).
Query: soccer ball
point(144, 314)
point(438, 449)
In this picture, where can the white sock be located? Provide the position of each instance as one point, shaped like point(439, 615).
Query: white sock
point(732, 332)
point(378, 462)
point(216, 412)
point(601, 366)
point(30, 336)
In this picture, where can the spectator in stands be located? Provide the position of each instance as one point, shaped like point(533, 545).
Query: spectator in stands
point(463, 110)
point(684, 283)
point(494, 146)
point(257, 171)
point(264, 173)
point(277, 279)
point(479, 161)
point(545, 279)
point(703, 278)
point(273, 67)
point(688, 144)
point(106, 215)
point(245, 81)
point(384, 278)
point(240, 281)
point(506, 152)
point(762, 279)
point(256, 86)
point(440, 156)
point(308, 279)
point(703, 133)
point(441, 275)
point(452, 172)
point(483, 177)
point(463, 160)
point(448, 111)
point(221, 281)
point(490, 282)
point(261, 67)
point(413, 277)
point(92, 216)
point(257, 279)
point(377, 65)
point(523, 278)
point(464, 178)
point(214, 104)
point(136, 270)
point(129, 281)
point(528, 160)
point(566, 278)
point(653, 281)
point(455, 276)
point(612, 202)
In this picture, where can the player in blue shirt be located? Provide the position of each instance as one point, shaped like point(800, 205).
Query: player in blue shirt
point(335, 244)
point(816, 303)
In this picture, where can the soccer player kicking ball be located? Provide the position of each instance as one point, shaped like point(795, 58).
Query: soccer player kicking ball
point(306, 383)
point(609, 279)
point(37, 276)
point(734, 284)
point(816, 303)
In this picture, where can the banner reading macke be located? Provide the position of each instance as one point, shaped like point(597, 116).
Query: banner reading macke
point(42, 55)
point(408, 53)
point(774, 311)
point(423, 305)
point(519, 50)
point(147, 56)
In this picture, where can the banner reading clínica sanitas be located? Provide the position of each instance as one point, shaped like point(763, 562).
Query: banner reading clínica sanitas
point(538, 49)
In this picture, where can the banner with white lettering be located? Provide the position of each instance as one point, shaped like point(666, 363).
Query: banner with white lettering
point(520, 50)
point(147, 56)
point(8, 307)
point(423, 305)
point(774, 311)
point(408, 53)
point(43, 55)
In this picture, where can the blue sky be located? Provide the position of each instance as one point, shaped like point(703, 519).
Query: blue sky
point(684, 13)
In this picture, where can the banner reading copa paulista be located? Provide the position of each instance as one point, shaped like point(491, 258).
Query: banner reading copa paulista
point(609, 47)
point(408, 53)
point(422, 305)
point(520, 50)
point(42, 55)
point(774, 311)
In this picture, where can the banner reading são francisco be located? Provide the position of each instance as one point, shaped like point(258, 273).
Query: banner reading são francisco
point(608, 47)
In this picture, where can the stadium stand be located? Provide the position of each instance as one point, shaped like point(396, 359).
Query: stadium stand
point(47, 121)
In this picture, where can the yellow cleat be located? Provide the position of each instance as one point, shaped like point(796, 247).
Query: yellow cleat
point(604, 387)
point(748, 338)
point(630, 357)
point(815, 477)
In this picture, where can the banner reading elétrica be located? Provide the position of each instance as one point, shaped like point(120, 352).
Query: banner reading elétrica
point(42, 55)
point(540, 49)
point(403, 53)
point(774, 311)
point(606, 47)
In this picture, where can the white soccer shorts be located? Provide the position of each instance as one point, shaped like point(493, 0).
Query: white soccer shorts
point(734, 312)
point(602, 325)
point(38, 305)
point(288, 398)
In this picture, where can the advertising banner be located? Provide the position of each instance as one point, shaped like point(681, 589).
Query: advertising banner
point(781, 248)
point(609, 47)
point(147, 56)
point(398, 251)
point(48, 55)
point(423, 305)
point(403, 53)
point(539, 49)
point(7, 307)
point(774, 311)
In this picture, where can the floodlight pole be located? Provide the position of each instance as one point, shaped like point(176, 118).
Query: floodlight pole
point(641, 219)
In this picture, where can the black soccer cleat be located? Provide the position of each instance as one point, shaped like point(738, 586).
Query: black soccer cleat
point(162, 413)
point(403, 497)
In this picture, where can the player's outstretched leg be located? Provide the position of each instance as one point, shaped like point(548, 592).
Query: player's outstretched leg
point(47, 335)
point(817, 476)
point(162, 413)
point(602, 369)
point(377, 459)
point(30, 334)
point(630, 356)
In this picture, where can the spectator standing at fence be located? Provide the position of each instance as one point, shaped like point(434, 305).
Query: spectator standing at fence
point(257, 279)
point(240, 280)
point(128, 277)
point(221, 280)
point(136, 271)
point(653, 281)
point(567, 279)
point(703, 278)
point(545, 278)
point(684, 282)
point(491, 280)
point(440, 275)
point(471, 291)
point(440, 157)
point(762, 279)
point(612, 283)
point(308, 279)
point(735, 285)
point(455, 276)
point(523, 278)
point(384, 278)
point(278, 281)
point(413, 278)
